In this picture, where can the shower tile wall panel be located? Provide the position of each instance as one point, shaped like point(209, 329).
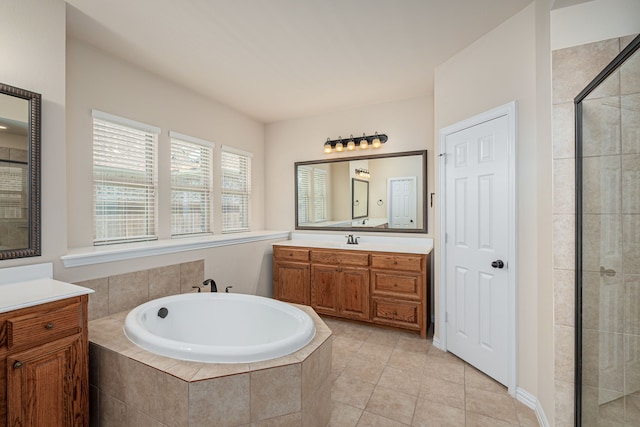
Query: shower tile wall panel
point(122, 292)
point(608, 300)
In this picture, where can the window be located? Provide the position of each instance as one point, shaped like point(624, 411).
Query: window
point(319, 195)
point(236, 190)
point(190, 185)
point(312, 195)
point(124, 179)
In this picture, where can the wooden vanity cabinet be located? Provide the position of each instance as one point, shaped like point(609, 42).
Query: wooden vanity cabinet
point(398, 291)
point(377, 287)
point(44, 365)
point(340, 283)
point(291, 275)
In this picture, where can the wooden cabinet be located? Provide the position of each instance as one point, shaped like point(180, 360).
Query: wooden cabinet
point(340, 283)
point(377, 287)
point(44, 365)
point(398, 291)
point(341, 291)
point(291, 275)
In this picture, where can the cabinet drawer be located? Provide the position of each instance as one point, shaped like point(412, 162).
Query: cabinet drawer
point(340, 257)
point(398, 313)
point(407, 285)
point(397, 262)
point(291, 254)
point(36, 328)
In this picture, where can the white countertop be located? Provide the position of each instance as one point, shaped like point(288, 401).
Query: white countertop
point(33, 292)
point(422, 246)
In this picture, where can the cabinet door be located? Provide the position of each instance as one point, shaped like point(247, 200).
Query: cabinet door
point(325, 280)
point(45, 385)
point(354, 293)
point(291, 282)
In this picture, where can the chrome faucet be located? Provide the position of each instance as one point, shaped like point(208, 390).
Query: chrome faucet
point(351, 240)
point(214, 287)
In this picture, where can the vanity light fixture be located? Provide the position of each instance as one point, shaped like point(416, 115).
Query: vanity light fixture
point(338, 145)
point(362, 173)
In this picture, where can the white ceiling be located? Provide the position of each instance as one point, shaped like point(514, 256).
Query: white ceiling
point(280, 59)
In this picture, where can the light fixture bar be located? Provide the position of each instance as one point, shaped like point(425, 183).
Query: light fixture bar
point(363, 142)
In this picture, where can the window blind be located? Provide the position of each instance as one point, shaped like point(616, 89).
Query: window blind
point(190, 186)
point(319, 195)
point(304, 195)
point(13, 190)
point(124, 180)
point(312, 195)
point(236, 190)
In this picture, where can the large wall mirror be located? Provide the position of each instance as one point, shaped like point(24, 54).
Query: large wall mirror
point(20, 172)
point(368, 193)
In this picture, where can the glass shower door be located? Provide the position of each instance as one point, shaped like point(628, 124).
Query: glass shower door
point(608, 245)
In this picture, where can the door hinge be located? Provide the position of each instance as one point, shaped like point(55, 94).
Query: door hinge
point(446, 237)
point(446, 317)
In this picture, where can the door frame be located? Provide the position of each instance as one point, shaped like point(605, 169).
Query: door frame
point(415, 196)
point(509, 110)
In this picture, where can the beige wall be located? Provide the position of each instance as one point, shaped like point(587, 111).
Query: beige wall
point(97, 80)
point(33, 58)
point(499, 68)
point(408, 123)
point(592, 21)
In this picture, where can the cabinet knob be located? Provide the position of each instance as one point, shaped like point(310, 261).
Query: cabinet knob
point(395, 312)
point(49, 326)
point(17, 364)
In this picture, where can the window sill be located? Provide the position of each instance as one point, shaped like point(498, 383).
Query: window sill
point(109, 253)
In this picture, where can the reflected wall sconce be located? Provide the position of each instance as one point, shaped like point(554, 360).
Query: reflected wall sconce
point(364, 142)
point(362, 173)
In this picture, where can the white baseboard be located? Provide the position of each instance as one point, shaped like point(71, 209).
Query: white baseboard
point(530, 400)
point(437, 344)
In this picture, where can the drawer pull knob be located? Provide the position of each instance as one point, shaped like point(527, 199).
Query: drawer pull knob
point(17, 365)
point(49, 326)
point(395, 312)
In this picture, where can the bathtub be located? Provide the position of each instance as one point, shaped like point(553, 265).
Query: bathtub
point(219, 327)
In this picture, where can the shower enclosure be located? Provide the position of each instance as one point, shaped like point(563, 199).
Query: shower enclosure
point(608, 245)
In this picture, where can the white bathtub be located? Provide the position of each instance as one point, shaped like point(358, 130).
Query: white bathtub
point(219, 327)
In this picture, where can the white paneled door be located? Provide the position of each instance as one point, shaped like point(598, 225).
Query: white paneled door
point(402, 210)
point(477, 239)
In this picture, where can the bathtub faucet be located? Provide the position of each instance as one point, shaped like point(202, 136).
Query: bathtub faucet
point(214, 287)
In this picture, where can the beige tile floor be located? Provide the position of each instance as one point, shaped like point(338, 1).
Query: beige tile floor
point(387, 378)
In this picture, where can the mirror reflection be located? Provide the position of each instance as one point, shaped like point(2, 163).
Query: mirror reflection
point(19, 172)
point(377, 193)
point(14, 189)
point(359, 198)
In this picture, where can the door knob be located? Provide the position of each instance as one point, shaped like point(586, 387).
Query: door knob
point(497, 264)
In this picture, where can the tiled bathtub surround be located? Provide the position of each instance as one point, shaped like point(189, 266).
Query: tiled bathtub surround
point(122, 292)
point(133, 387)
point(611, 156)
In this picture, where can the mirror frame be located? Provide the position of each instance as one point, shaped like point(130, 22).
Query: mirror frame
point(353, 202)
point(422, 230)
point(33, 177)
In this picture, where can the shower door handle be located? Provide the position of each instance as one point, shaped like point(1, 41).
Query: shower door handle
point(497, 264)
